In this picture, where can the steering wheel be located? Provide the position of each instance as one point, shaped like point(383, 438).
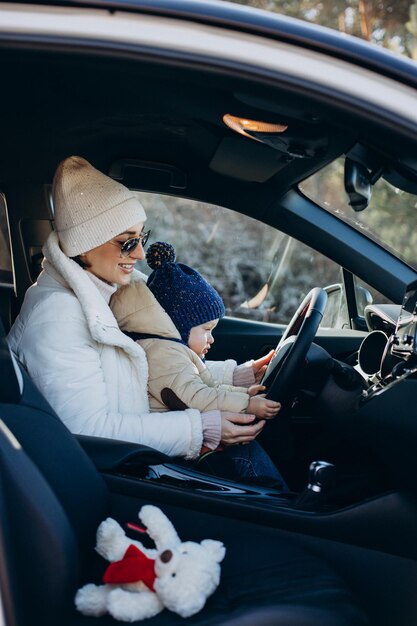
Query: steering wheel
point(280, 378)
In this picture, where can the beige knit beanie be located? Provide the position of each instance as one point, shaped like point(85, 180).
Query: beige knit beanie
point(90, 208)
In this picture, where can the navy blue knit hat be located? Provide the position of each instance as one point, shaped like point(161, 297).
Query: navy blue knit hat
point(185, 295)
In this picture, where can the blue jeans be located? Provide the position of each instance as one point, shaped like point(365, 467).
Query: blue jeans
point(251, 461)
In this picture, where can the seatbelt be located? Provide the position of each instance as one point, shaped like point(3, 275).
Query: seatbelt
point(137, 336)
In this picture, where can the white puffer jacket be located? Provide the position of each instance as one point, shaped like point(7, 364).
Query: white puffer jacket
point(90, 372)
point(172, 365)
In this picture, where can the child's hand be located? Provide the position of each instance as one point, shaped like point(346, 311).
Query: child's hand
point(259, 366)
point(255, 389)
point(261, 407)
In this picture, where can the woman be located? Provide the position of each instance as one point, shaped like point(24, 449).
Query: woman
point(93, 375)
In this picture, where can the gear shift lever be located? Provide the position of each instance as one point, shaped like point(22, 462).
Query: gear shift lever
point(321, 476)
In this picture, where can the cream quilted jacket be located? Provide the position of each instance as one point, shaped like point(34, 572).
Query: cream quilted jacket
point(172, 365)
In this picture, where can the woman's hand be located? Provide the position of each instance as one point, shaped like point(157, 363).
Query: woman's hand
point(239, 428)
point(259, 366)
point(261, 407)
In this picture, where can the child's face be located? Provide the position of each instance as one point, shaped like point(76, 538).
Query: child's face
point(201, 338)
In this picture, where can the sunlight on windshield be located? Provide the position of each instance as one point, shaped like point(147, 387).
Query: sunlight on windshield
point(390, 218)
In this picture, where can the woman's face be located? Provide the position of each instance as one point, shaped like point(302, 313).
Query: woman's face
point(106, 262)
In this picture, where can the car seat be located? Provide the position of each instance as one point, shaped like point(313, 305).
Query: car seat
point(52, 499)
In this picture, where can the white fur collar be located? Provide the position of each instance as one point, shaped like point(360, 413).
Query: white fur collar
point(100, 319)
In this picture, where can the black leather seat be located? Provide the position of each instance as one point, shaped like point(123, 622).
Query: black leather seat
point(52, 499)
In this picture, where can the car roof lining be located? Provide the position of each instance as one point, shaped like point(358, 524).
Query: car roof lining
point(150, 113)
point(109, 109)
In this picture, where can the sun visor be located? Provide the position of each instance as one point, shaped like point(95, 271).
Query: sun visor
point(246, 160)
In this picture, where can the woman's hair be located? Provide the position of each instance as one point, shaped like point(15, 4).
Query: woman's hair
point(80, 262)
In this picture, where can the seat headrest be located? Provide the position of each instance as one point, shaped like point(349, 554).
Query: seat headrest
point(11, 380)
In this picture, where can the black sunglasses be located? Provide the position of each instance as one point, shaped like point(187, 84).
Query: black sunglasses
point(128, 246)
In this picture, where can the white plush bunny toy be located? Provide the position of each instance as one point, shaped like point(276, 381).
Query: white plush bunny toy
point(141, 582)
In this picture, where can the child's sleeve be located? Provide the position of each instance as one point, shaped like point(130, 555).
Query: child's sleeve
point(229, 373)
point(171, 368)
point(222, 371)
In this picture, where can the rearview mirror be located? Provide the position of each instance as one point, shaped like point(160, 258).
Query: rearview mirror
point(357, 184)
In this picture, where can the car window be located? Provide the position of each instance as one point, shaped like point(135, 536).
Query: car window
point(386, 220)
point(261, 273)
point(365, 294)
point(6, 274)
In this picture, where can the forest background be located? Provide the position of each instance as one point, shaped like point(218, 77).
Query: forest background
point(389, 23)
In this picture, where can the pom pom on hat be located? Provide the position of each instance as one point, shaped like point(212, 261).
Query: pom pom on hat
point(90, 208)
point(185, 295)
point(160, 253)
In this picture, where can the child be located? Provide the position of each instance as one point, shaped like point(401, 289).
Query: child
point(173, 317)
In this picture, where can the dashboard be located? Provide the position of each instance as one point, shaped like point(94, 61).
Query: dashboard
point(383, 421)
point(388, 354)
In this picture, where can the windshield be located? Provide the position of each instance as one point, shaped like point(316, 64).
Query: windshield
point(389, 219)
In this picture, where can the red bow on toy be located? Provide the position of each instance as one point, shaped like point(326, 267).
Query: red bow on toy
point(135, 566)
